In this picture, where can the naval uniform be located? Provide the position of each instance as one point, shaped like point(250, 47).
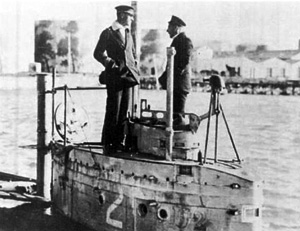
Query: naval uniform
point(182, 72)
point(115, 50)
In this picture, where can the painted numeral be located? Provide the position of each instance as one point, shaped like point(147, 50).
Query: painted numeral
point(111, 208)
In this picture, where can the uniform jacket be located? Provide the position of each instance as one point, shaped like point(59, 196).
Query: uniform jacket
point(182, 70)
point(117, 55)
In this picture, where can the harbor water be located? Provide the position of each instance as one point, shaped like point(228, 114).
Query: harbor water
point(265, 129)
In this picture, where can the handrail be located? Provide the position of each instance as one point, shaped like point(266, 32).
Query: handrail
point(74, 88)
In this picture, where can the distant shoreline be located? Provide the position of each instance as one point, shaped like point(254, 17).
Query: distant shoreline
point(234, 85)
point(29, 74)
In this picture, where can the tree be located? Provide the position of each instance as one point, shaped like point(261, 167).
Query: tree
point(240, 48)
point(148, 49)
point(150, 44)
point(152, 52)
point(260, 48)
point(43, 48)
point(62, 46)
point(62, 50)
point(151, 36)
point(71, 27)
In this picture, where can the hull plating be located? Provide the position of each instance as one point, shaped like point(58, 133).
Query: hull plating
point(133, 192)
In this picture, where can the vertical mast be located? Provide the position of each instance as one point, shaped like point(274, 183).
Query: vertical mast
point(136, 41)
point(135, 30)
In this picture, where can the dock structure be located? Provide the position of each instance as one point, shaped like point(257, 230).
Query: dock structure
point(240, 85)
point(4, 176)
point(288, 87)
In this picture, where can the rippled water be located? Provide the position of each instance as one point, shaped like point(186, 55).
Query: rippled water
point(266, 131)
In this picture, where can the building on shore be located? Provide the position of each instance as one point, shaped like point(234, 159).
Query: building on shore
point(265, 64)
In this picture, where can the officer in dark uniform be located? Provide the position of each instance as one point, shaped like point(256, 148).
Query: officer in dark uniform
point(115, 51)
point(182, 70)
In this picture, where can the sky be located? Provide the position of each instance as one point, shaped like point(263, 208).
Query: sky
point(272, 23)
point(275, 24)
